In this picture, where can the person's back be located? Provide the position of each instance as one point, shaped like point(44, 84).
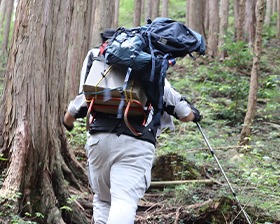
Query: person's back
point(120, 163)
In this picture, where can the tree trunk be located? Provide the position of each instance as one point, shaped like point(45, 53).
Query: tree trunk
point(213, 27)
point(192, 14)
point(2, 14)
point(143, 11)
point(148, 9)
point(206, 17)
point(164, 8)
point(155, 8)
point(223, 26)
point(92, 21)
point(236, 13)
point(200, 13)
point(268, 12)
point(187, 12)
point(250, 20)
point(274, 7)
point(81, 24)
point(5, 41)
point(137, 13)
point(252, 99)
point(117, 11)
point(278, 19)
point(239, 36)
point(39, 164)
point(104, 18)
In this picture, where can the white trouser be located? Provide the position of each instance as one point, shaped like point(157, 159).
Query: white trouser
point(119, 170)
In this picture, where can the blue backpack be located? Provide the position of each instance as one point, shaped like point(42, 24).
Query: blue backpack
point(146, 52)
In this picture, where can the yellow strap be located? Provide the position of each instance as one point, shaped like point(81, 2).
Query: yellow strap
point(131, 99)
point(88, 101)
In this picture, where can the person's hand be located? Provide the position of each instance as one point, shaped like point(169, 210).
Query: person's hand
point(196, 113)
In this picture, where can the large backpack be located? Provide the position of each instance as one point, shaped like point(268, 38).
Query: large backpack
point(146, 52)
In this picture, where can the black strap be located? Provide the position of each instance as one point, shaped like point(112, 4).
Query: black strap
point(108, 123)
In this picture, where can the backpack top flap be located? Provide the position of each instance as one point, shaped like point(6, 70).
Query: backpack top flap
point(125, 49)
point(174, 38)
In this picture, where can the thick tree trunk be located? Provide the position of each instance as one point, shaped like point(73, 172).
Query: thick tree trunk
point(223, 26)
point(196, 15)
point(5, 41)
point(79, 44)
point(268, 12)
point(252, 99)
point(148, 9)
point(155, 8)
point(104, 18)
point(164, 8)
point(213, 28)
point(39, 164)
point(239, 36)
point(137, 13)
point(250, 21)
point(192, 14)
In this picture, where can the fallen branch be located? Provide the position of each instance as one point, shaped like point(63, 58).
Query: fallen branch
point(177, 215)
point(176, 182)
point(230, 147)
point(272, 124)
point(198, 205)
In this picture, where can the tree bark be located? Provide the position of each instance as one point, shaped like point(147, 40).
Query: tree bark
point(92, 20)
point(164, 8)
point(143, 11)
point(252, 99)
point(80, 29)
point(223, 26)
point(236, 13)
point(137, 13)
point(250, 20)
point(2, 14)
point(192, 14)
point(206, 17)
point(39, 164)
point(274, 7)
point(116, 17)
point(5, 41)
point(239, 36)
point(155, 8)
point(187, 12)
point(104, 18)
point(148, 9)
point(213, 28)
point(278, 19)
point(268, 12)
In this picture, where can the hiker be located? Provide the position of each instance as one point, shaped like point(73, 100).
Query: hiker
point(119, 165)
point(95, 52)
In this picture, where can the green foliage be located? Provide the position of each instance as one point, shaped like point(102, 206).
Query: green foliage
point(9, 201)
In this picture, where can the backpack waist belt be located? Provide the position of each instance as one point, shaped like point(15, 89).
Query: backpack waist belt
point(107, 123)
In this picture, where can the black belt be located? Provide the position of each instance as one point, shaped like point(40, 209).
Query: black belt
point(109, 123)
